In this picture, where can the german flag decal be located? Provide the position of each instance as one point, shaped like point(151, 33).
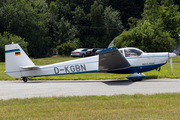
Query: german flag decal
point(17, 53)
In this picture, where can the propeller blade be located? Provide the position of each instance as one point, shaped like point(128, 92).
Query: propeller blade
point(171, 65)
point(171, 55)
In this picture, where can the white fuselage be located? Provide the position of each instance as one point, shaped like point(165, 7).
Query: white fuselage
point(91, 64)
point(83, 65)
point(18, 64)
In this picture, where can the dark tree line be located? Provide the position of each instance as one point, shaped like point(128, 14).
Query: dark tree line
point(45, 24)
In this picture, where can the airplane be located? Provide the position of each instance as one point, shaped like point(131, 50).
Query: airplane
point(127, 60)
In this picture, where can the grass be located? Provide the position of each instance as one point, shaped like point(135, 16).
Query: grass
point(158, 106)
point(164, 73)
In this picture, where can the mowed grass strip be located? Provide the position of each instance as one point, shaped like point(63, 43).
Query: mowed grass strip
point(158, 106)
point(164, 73)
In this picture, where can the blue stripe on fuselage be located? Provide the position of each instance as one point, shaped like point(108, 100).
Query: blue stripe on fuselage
point(108, 49)
point(14, 50)
point(138, 69)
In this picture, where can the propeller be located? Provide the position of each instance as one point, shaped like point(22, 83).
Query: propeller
point(171, 55)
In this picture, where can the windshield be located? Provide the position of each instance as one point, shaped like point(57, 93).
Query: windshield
point(132, 52)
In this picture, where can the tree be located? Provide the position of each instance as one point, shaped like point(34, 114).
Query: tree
point(95, 15)
point(29, 20)
point(167, 2)
point(146, 36)
point(64, 32)
point(53, 11)
point(64, 9)
point(96, 29)
point(7, 38)
point(112, 23)
point(128, 8)
point(151, 10)
point(79, 17)
point(83, 4)
point(170, 18)
point(167, 14)
point(159, 26)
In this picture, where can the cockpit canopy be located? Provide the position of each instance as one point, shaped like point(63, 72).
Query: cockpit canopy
point(130, 52)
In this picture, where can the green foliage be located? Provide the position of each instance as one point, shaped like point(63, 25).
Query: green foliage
point(158, 28)
point(92, 42)
point(151, 10)
point(64, 31)
point(96, 19)
point(128, 8)
point(166, 14)
point(170, 18)
point(66, 48)
point(45, 24)
point(106, 25)
point(112, 23)
point(29, 20)
point(96, 14)
point(53, 11)
point(167, 2)
point(64, 9)
point(79, 16)
point(146, 36)
point(7, 38)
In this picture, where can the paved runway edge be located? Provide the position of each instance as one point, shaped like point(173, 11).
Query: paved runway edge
point(49, 88)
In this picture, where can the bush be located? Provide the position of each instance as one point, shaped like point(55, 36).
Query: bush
point(147, 37)
point(66, 48)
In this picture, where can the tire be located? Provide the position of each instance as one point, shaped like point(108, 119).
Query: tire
point(24, 79)
point(83, 55)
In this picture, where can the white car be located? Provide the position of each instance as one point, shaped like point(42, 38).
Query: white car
point(81, 52)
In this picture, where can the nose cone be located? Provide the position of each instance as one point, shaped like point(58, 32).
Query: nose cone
point(171, 55)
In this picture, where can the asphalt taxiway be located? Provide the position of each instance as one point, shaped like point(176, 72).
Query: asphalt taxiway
point(49, 88)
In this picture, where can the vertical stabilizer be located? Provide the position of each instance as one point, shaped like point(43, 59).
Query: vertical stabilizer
point(15, 57)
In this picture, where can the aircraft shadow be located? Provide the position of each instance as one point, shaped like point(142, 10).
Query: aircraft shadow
point(108, 82)
point(29, 81)
point(119, 82)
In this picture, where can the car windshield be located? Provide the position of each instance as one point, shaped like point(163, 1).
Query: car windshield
point(89, 49)
point(80, 49)
point(94, 50)
point(85, 49)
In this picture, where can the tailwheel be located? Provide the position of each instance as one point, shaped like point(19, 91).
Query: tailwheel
point(24, 79)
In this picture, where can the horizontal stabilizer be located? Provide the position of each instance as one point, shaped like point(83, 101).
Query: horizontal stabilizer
point(111, 59)
point(30, 67)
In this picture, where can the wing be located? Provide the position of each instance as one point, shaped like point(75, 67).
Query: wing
point(111, 59)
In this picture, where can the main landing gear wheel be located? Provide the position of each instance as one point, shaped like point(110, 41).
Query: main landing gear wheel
point(24, 79)
point(136, 77)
